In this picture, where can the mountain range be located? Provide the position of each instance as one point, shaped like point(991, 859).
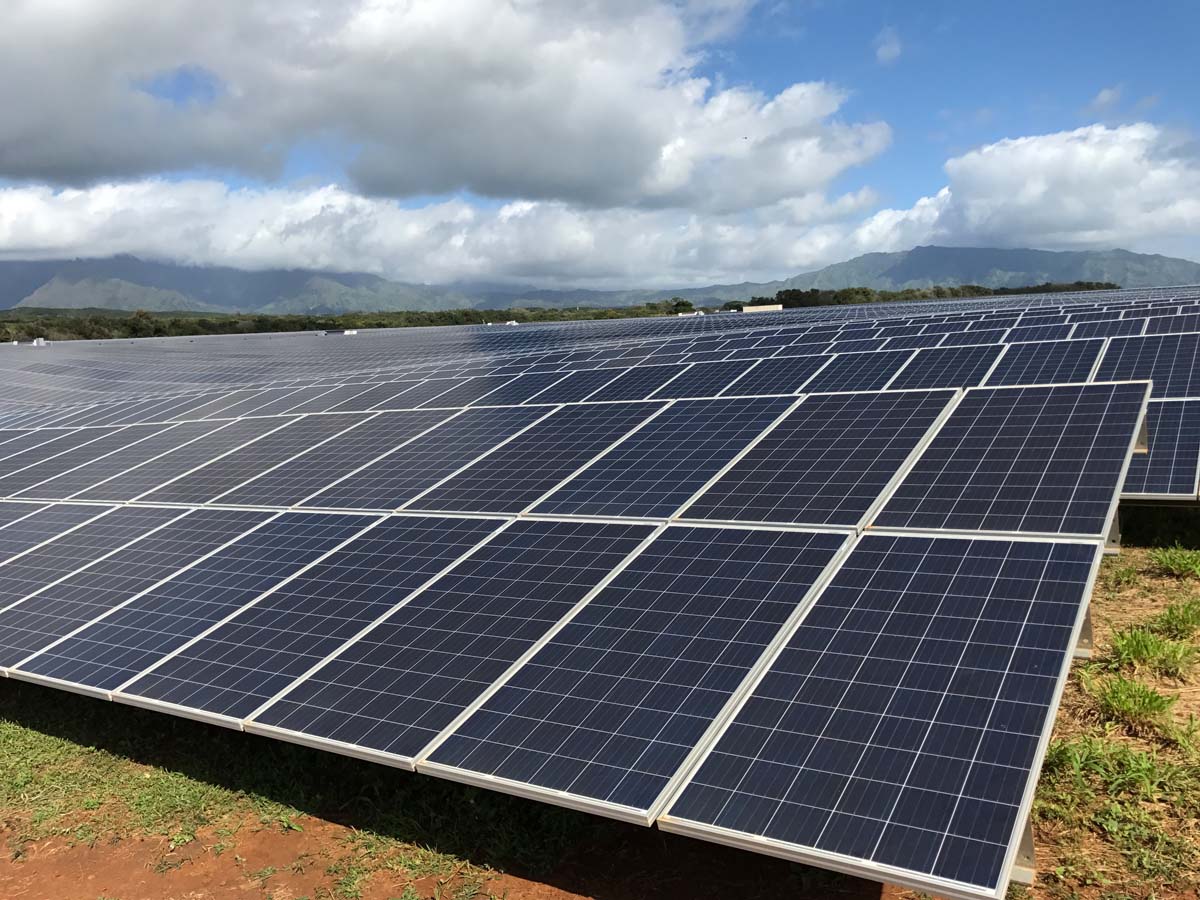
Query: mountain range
point(127, 282)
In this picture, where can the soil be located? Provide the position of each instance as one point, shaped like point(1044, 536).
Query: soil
point(290, 865)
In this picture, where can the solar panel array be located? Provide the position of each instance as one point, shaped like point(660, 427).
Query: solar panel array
point(805, 582)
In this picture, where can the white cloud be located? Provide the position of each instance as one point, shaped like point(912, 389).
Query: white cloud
point(887, 46)
point(1128, 186)
point(1136, 186)
point(1105, 100)
point(594, 102)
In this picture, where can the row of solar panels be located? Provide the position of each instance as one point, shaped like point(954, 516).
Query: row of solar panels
point(823, 459)
point(595, 604)
point(1170, 471)
point(386, 343)
point(876, 704)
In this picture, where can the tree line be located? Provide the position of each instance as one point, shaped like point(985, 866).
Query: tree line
point(791, 299)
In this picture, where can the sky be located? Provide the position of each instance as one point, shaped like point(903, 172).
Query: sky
point(593, 143)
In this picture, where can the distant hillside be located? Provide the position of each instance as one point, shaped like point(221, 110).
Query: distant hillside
point(126, 282)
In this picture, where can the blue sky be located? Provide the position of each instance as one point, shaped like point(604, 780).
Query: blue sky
point(602, 144)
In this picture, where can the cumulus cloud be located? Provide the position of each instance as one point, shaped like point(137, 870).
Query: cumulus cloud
point(1105, 100)
point(595, 102)
point(1131, 186)
point(887, 46)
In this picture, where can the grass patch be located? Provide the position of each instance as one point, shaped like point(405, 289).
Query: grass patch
point(1137, 706)
point(1141, 649)
point(1177, 561)
point(1179, 621)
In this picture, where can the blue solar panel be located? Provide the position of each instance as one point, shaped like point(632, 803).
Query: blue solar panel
point(37, 471)
point(575, 386)
point(248, 660)
point(398, 686)
point(521, 471)
point(1048, 362)
point(826, 463)
point(210, 481)
point(1170, 468)
point(1110, 328)
point(1171, 361)
point(658, 468)
point(124, 643)
point(41, 619)
point(702, 380)
point(610, 708)
point(411, 468)
point(319, 467)
point(1039, 333)
point(946, 367)
point(903, 720)
point(1043, 459)
point(779, 375)
point(27, 525)
point(638, 383)
point(858, 371)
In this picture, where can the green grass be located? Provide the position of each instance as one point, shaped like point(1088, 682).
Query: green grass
point(1179, 621)
point(1137, 706)
point(1177, 561)
point(1141, 649)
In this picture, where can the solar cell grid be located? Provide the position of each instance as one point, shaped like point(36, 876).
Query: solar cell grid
point(210, 448)
point(1043, 459)
point(945, 367)
point(1046, 362)
point(779, 375)
point(40, 523)
point(858, 371)
point(901, 721)
point(575, 386)
point(322, 465)
point(405, 472)
point(130, 639)
point(108, 442)
point(1171, 361)
point(397, 687)
point(39, 620)
point(638, 383)
point(656, 469)
point(515, 475)
point(243, 663)
point(210, 481)
point(702, 380)
point(1170, 467)
point(826, 463)
point(612, 706)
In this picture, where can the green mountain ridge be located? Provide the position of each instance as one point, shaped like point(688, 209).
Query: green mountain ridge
point(127, 282)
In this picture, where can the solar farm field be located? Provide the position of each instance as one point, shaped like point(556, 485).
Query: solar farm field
point(804, 585)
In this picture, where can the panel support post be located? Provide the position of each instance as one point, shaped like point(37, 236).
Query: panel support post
point(1083, 647)
point(1024, 867)
point(1112, 543)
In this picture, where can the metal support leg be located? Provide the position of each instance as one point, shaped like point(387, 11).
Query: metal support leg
point(1024, 868)
point(1083, 648)
point(1113, 542)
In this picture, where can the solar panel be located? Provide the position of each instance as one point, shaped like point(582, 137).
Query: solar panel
point(319, 467)
point(779, 375)
point(1026, 459)
point(389, 395)
point(243, 663)
point(471, 390)
point(1170, 468)
point(1171, 361)
point(57, 444)
point(1047, 362)
point(11, 512)
point(398, 686)
point(1111, 328)
point(611, 707)
point(408, 470)
point(212, 447)
point(210, 481)
point(72, 549)
point(826, 463)
point(946, 367)
point(40, 619)
point(1039, 333)
point(655, 470)
point(87, 474)
point(858, 372)
point(124, 643)
point(521, 388)
point(702, 380)
point(897, 733)
point(575, 386)
point(638, 383)
point(27, 525)
point(533, 463)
